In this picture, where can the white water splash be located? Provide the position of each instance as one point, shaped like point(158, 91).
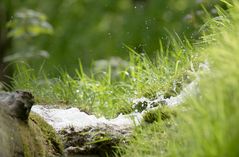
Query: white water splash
point(63, 118)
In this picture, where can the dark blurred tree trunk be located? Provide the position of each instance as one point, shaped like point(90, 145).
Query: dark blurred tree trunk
point(5, 42)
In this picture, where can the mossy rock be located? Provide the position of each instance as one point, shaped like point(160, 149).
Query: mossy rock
point(27, 138)
point(99, 140)
point(156, 115)
point(10, 138)
point(152, 116)
point(48, 136)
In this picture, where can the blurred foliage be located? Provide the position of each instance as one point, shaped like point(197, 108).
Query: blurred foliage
point(91, 30)
point(26, 25)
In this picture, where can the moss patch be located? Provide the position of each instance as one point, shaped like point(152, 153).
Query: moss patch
point(49, 136)
point(162, 113)
point(10, 138)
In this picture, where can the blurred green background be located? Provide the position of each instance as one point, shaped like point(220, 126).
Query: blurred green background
point(58, 33)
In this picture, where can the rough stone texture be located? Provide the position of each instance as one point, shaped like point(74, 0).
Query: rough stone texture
point(99, 141)
point(17, 104)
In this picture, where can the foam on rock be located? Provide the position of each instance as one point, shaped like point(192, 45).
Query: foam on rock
point(63, 118)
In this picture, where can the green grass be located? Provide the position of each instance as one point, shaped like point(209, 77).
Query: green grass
point(101, 93)
point(205, 125)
